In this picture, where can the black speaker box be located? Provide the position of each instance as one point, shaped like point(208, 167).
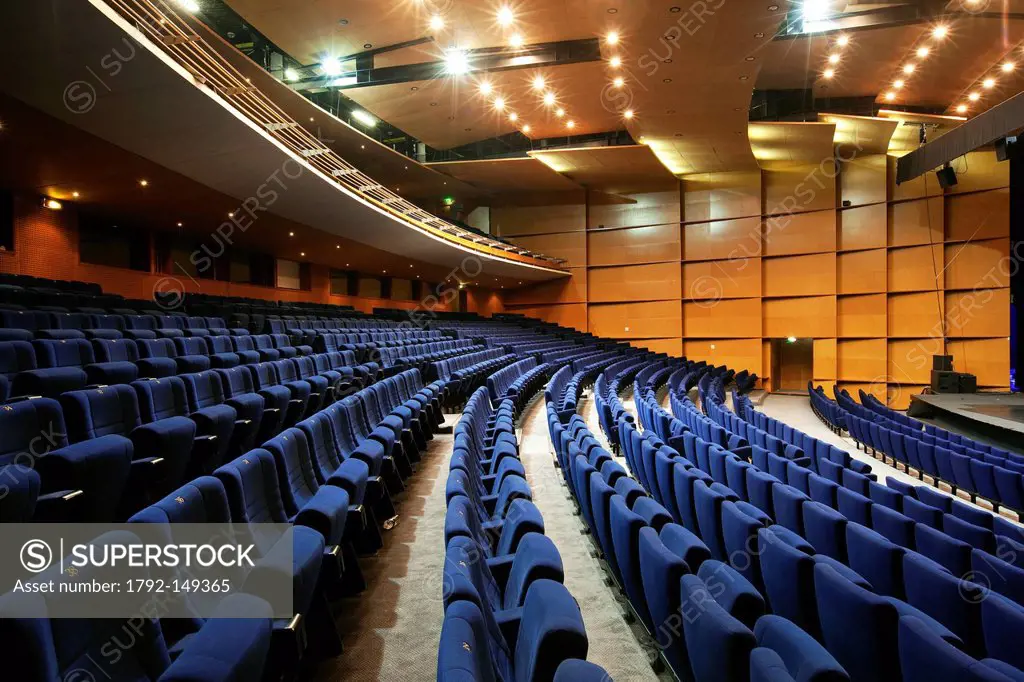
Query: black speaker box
point(946, 176)
point(968, 383)
point(945, 382)
point(942, 363)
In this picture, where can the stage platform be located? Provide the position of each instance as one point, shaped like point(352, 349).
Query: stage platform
point(994, 418)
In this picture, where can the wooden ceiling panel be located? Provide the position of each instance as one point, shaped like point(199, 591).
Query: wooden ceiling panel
point(860, 134)
point(784, 145)
point(502, 176)
point(621, 170)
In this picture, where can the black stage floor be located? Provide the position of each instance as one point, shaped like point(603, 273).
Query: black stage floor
point(997, 418)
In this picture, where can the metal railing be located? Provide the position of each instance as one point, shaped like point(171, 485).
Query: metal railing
point(162, 25)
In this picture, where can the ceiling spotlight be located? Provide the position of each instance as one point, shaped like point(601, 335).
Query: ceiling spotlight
point(619, 82)
point(940, 32)
point(331, 66)
point(988, 83)
point(513, 117)
point(486, 88)
point(961, 109)
point(922, 52)
point(499, 103)
point(890, 96)
point(549, 98)
point(615, 62)
point(559, 112)
point(291, 75)
point(843, 41)
point(179, 224)
point(291, 234)
point(897, 84)
point(52, 204)
point(526, 128)
point(363, 117)
point(909, 68)
point(570, 124)
point(833, 59)
point(828, 73)
point(144, 183)
point(612, 38)
point(974, 97)
point(516, 41)
point(1008, 67)
point(538, 82)
point(436, 22)
point(627, 114)
point(74, 195)
point(506, 16)
point(456, 63)
point(302, 254)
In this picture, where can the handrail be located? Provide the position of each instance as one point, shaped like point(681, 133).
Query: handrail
point(165, 27)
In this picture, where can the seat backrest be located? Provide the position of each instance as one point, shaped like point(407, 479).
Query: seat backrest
point(16, 356)
point(236, 381)
point(202, 500)
point(219, 344)
point(254, 494)
point(157, 348)
point(204, 389)
point(191, 345)
point(551, 631)
point(115, 350)
point(63, 352)
point(161, 398)
point(96, 412)
point(30, 429)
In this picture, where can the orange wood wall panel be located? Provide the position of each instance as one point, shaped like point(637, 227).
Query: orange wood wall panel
point(862, 360)
point(917, 315)
point(979, 171)
point(977, 313)
point(732, 352)
point(722, 239)
point(916, 222)
point(825, 359)
point(799, 233)
point(655, 244)
point(862, 179)
point(660, 281)
point(900, 395)
point(651, 208)
point(518, 220)
point(654, 320)
point(862, 316)
point(717, 279)
point(804, 187)
point(800, 275)
point(987, 359)
point(728, 318)
point(916, 268)
point(978, 264)
point(910, 360)
point(673, 347)
point(864, 227)
point(926, 185)
point(808, 317)
point(572, 289)
point(572, 315)
point(982, 215)
point(571, 246)
point(879, 389)
point(721, 196)
point(862, 272)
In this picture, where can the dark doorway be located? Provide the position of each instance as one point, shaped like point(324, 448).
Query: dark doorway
point(792, 364)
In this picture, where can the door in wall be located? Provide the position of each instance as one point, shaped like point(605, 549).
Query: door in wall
point(792, 365)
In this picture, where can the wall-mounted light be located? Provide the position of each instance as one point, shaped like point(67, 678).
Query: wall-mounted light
point(52, 204)
point(791, 339)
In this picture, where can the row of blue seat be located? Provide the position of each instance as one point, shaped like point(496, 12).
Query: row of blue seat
point(863, 574)
point(508, 615)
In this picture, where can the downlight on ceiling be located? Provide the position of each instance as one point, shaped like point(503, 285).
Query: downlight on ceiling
point(456, 62)
point(52, 204)
point(331, 66)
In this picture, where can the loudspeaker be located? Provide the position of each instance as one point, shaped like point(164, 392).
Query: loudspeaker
point(942, 363)
point(945, 382)
point(968, 383)
point(946, 176)
point(1005, 148)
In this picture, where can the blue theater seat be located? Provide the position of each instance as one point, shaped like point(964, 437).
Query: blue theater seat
point(718, 645)
point(575, 670)
point(926, 657)
point(115, 362)
point(240, 394)
point(785, 652)
point(215, 419)
point(50, 479)
point(15, 357)
point(661, 570)
point(60, 368)
point(157, 358)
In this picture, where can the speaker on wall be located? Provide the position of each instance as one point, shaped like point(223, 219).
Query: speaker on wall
point(946, 176)
point(942, 363)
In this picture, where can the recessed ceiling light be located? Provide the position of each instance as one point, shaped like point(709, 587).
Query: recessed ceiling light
point(909, 68)
point(302, 254)
point(940, 32)
point(526, 128)
point(833, 58)
point(343, 22)
point(506, 16)
point(627, 114)
point(559, 112)
point(743, 78)
point(988, 83)
point(570, 124)
point(749, 58)
point(337, 246)
point(433, 104)
point(612, 38)
point(615, 62)
point(456, 62)
point(291, 234)
point(890, 96)
point(1008, 67)
point(74, 195)
point(922, 52)
point(436, 22)
point(513, 117)
point(516, 41)
point(843, 40)
point(974, 97)
point(961, 109)
point(759, 34)
point(897, 84)
point(828, 73)
point(414, 88)
point(675, 9)
point(549, 98)
point(499, 103)
point(367, 46)
point(619, 82)
point(144, 183)
point(613, 10)
point(538, 82)
point(773, 8)
point(666, 80)
point(486, 88)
